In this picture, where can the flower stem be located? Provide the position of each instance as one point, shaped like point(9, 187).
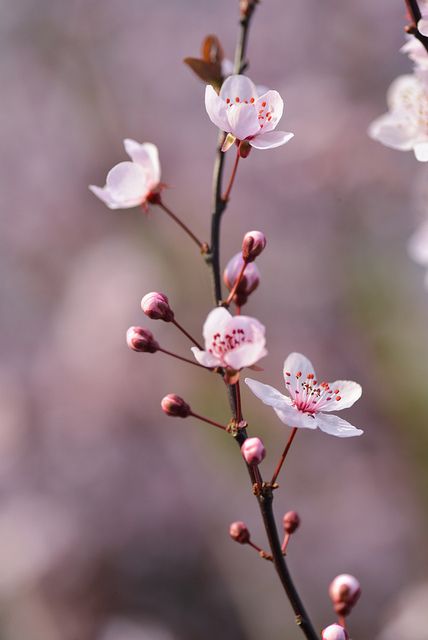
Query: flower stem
point(284, 455)
point(180, 328)
point(226, 195)
point(208, 421)
point(236, 285)
point(175, 355)
point(202, 245)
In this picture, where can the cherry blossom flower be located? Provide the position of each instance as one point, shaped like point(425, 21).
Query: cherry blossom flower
point(405, 126)
point(242, 113)
point(309, 399)
point(130, 184)
point(232, 342)
point(416, 52)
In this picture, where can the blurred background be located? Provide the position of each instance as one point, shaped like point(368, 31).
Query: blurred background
point(114, 518)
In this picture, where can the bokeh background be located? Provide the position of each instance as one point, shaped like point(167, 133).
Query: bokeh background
point(114, 518)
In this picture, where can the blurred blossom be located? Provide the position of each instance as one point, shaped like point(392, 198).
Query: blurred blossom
point(123, 629)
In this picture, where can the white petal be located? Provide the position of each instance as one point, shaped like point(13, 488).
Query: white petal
point(421, 151)
point(270, 103)
point(348, 391)
point(243, 121)
point(104, 194)
point(127, 184)
point(418, 245)
point(392, 131)
point(216, 322)
point(147, 155)
point(238, 86)
point(294, 418)
point(298, 363)
point(271, 139)
point(423, 26)
point(267, 394)
point(205, 358)
point(337, 426)
point(216, 109)
point(402, 91)
point(245, 355)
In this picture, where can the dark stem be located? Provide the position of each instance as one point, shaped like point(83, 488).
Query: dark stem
point(284, 455)
point(175, 355)
point(416, 15)
point(174, 322)
point(202, 245)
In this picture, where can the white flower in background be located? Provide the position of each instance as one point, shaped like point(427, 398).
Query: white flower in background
point(418, 246)
point(416, 52)
point(130, 184)
point(308, 399)
point(423, 24)
point(241, 112)
point(231, 341)
point(405, 126)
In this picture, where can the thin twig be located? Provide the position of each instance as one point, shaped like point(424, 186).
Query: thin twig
point(202, 245)
point(284, 455)
point(208, 421)
point(195, 342)
point(175, 355)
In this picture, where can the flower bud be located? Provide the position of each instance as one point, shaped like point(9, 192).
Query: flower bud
point(249, 281)
point(335, 632)
point(156, 306)
point(238, 531)
point(142, 340)
point(252, 245)
point(291, 521)
point(253, 451)
point(175, 406)
point(345, 590)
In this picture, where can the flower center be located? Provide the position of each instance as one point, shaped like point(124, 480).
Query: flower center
point(223, 343)
point(308, 395)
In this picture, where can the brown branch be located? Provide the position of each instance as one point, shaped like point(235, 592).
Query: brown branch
point(415, 15)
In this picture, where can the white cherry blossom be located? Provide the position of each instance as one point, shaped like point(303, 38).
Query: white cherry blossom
point(241, 112)
point(405, 126)
point(416, 51)
point(129, 184)
point(232, 342)
point(309, 399)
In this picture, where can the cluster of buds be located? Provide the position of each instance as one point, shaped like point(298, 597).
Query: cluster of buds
point(344, 592)
point(241, 276)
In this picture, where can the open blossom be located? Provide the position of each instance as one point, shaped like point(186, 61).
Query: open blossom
point(309, 398)
point(241, 112)
point(232, 342)
point(405, 126)
point(130, 184)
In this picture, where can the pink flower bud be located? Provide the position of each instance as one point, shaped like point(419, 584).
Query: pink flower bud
point(249, 281)
point(291, 521)
point(142, 340)
point(175, 406)
point(252, 245)
point(345, 590)
point(156, 306)
point(334, 632)
point(253, 451)
point(238, 531)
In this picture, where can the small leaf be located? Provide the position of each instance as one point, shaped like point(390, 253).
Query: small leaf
point(211, 50)
point(228, 142)
point(209, 72)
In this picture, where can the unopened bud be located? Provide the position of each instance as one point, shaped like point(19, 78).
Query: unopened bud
point(249, 281)
point(246, 7)
point(156, 306)
point(238, 531)
point(291, 521)
point(335, 632)
point(253, 451)
point(344, 589)
point(175, 406)
point(252, 245)
point(142, 340)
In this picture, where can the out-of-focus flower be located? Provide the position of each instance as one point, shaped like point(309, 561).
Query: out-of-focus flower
point(309, 398)
point(405, 126)
point(418, 246)
point(291, 521)
point(252, 245)
point(238, 531)
point(334, 632)
point(253, 451)
point(345, 589)
point(231, 341)
point(239, 111)
point(416, 52)
point(249, 281)
point(130, 184)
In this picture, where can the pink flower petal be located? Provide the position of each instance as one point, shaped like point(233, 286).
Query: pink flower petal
point(216, 322)
point(267, 394)
point(104, 194)
point(348, 393)
point(270, 105)
point(271, 139)
point(146, 155)
point(294, 418)
point(238, 86)
point(335, 426)
point(393, 131)
point(127, 184)
point(421, 151)
point(243, 121)
point(216, 109)
point(205, 358)
point(246, 354)
point(297, 363)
